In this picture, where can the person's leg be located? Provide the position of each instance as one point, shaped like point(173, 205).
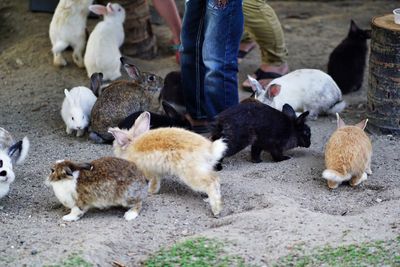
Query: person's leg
point(192, 67)
point(223, 28)
point(261, 22)
point(169, 12)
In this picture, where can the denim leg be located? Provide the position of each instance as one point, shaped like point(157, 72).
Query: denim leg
point(192, 67)
point(223, 28)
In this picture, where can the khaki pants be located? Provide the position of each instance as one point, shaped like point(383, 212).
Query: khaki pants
point(262, 25)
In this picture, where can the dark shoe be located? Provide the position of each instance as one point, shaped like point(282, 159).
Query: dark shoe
point(261, 75)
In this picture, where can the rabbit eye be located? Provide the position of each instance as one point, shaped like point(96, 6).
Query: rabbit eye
point(72, 118)
point(119, 9)
point(1, 163)
point(52, 170)
point(151, 78)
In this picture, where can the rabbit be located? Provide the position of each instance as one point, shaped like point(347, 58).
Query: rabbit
point(303, 89)
point(172, 90)
point(102, 50)
point(172, 151)
point(173, 118)
point(68, 28)
point(102, 183)
point(348, 155)
point(347, 61)
point(122, 98)
point(11, 153)
point(76, 109)
point(96, 83)
point(263, 127)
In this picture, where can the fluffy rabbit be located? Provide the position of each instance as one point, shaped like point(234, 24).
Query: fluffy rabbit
point(76, 109)
point(305, 90)
point(172, 90)
point(172, 119)
point(347, 61)
point(102, 50)
point(102, 183)
point(263, 127)
point(172, 151)
point(347, 155)
point(68, 28)
point(122, 98)
point(11, 153)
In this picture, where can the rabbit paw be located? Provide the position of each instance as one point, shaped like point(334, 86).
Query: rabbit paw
point(70, 217)
point(68, 130)
point(130, 215)
point(80, 133)
point(59, 61)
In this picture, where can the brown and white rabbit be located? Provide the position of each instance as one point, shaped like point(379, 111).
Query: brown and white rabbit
point(348, 155)
point(172, 151)
point(122, 98)
point(102, 183)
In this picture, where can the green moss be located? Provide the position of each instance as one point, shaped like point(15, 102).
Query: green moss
point(198, 252)
point(74, 260)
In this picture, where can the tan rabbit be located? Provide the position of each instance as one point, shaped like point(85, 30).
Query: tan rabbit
point(172, 151)
point(348, 154)
point(102, 183)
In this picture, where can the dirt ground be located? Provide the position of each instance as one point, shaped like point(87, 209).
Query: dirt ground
point(268, 207)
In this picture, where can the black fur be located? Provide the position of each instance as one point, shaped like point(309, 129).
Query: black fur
point(172, 119)
point(172, 91)
point(95, 83)
point(15, 151)
point(347, 61)
point(264, 128)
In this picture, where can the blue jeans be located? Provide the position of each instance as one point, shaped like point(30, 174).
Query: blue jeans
point(210, 43)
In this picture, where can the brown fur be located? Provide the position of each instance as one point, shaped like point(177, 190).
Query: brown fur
point(103, 183)
point(172, 151)
point(348, 153)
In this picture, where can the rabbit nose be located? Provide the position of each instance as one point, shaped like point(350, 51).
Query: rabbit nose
point(3, 173)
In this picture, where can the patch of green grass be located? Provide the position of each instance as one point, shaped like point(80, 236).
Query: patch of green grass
point(378, 253)
point(74, 260)
point(198, 252)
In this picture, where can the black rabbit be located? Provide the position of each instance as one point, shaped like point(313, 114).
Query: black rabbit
point(173, 118)
point(347, 61)
point(172, 90)
point(264, 128)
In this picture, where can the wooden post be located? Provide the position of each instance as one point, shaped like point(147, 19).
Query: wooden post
point(384, 76)
point(140, 40)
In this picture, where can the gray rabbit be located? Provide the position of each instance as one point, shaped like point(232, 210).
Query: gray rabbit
point(122, 98)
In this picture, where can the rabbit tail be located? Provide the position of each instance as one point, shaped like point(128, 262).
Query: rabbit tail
point(24, 150)
point(332, 175)
point(337, 107)
point(218, 149)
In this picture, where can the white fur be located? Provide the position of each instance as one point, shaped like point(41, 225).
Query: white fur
point(67, 28)
point(130, 215)
point(333, 176)
point(218, 149)
point(7, 179)
point(65, 191)
point(305, 89)
point(102, 50)
point(76, 109)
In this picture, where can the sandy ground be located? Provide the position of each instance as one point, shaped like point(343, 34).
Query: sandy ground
point(269, 207)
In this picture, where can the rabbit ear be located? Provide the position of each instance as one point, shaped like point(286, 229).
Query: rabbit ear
point(273, 90)
point(362, 124)
point(302, 118)
point(289, 111)
point(68, 170)
point(83, 166)
point(68, 97)
point(131, 69)
point(14, 151)
point(255, 85)
point(353, 26)
point(122, 137)
point(98, 9)
point(142, 124)
point(95, 82)
point(169, 110)
point(340, 122)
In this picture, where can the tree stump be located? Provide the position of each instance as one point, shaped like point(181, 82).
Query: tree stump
point(384, 76)
point(140, 40)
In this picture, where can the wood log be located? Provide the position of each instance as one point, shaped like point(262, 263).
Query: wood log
point(384, 77)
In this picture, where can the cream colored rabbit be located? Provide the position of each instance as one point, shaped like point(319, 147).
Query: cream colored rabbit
point(172, 151)
point(348, 154)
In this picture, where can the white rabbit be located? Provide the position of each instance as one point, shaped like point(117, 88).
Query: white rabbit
point(76, 109)
point(102, 50)
point(68, 28)
point(305, 90)
point(11, 153)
